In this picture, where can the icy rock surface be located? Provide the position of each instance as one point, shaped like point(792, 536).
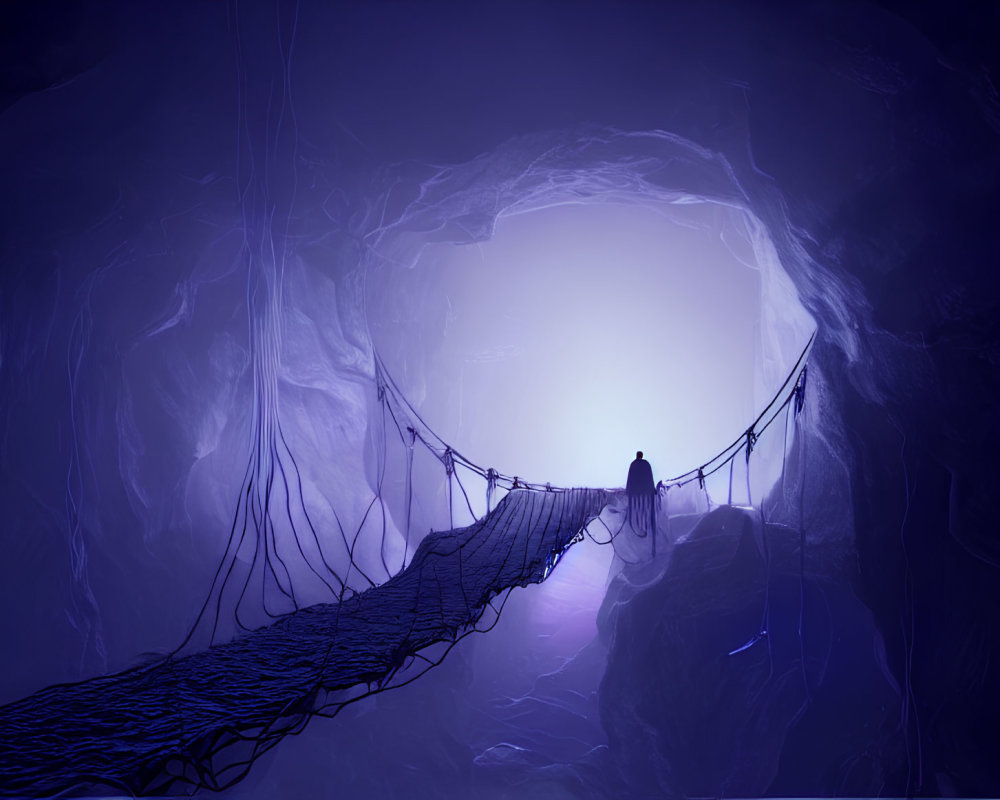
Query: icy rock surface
point(686, 715)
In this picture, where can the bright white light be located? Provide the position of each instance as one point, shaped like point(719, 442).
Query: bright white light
point(580, 333)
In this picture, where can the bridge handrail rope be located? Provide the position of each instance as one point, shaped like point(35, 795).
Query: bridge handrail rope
point(390, 394)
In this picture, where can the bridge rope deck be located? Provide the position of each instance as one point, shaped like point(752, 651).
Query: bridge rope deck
point(201, 720)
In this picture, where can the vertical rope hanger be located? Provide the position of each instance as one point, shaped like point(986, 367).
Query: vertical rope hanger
point(491, 487)
point(794, 401)
point(798, 406)
point(448, 459)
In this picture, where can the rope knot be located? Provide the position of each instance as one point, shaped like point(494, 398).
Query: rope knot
point(751, 441)
point(491, 486)
point(799, 393)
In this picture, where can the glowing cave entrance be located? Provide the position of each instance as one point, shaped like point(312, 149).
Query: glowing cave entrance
point(579, 332)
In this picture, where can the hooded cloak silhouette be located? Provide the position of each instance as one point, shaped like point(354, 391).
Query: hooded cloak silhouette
point(640, 491)
point(640, 477)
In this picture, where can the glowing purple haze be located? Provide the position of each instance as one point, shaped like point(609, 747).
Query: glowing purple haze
point(583, 328)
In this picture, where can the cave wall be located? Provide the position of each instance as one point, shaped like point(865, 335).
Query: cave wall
point(865, 140)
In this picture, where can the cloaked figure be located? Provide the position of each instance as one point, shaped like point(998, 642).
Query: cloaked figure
point(641, 493)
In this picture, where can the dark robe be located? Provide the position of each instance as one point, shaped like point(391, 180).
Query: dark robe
point(641, 491)
point(640, 479)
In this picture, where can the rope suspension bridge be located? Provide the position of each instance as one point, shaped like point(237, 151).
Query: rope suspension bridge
point(199, 718)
